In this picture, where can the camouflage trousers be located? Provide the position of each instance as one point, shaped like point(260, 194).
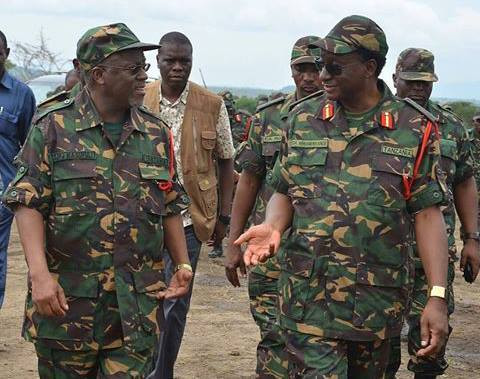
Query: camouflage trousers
point(92, 364)
point(317, 357)
point(426, 366)
point(263, 295)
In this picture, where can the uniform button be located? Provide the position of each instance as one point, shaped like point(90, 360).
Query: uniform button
point(14, 193)
point(22, 169)
point(67, 101)
point(436, 194)
point(185, 198)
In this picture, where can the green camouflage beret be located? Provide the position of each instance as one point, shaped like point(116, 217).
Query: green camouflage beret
point(305, 50)
point(416, 64)
point(102, 41)
point(355, 32)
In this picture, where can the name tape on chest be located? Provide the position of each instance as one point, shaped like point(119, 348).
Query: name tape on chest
point(398, 151)
point(308, 143)
point(272, 139)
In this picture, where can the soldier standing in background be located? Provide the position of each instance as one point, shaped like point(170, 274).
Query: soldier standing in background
point(95, 198)
point(357, 173)
point(252, 194)
point(237, 122)
point(413, 78)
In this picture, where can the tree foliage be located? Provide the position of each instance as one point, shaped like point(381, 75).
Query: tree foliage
point(465, 110)
point(246, 103)
point(35, 59)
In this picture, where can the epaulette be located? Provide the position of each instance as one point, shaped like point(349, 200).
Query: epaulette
point(148, 111)
point(312, 95)
point(421, 109)
point(57, 98)
point(268, 104)
point(41, 113)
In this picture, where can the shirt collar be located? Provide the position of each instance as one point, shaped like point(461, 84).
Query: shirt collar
point(7, 80)
point(182, 98)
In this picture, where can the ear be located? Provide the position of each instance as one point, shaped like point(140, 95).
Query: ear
point(394, 78)
point(371, 67)
point(158, 58)
point(97, 75)
point(7, 52)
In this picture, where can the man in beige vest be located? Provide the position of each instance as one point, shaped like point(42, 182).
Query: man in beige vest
point(202, 139)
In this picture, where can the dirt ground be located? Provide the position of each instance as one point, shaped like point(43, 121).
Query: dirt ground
point(221, 336)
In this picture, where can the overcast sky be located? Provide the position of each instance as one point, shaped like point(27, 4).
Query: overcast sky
point(248, 43)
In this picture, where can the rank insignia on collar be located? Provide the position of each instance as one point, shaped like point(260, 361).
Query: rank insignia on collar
point(386, 120)
point(327, 111)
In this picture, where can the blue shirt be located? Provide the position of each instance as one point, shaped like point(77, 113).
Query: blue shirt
point(17, 105)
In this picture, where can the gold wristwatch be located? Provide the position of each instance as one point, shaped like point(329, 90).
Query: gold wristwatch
point(185, 266)
point(437, 291)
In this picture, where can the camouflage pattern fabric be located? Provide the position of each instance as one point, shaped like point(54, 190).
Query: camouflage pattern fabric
point(305, 50)
point(353, 33)
point(347, 270)
point(476, 156)
point(457, 162)
point(98, 43)
point(430, 366)
point(59, 98)
point(118, 362)
point(416, 64)
point(237, 120)
point(103, 211)
point(310, 356)
point(258, 157)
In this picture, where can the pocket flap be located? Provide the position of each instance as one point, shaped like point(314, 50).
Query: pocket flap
point(150, 171)
point(397, 165)
point(208, 134)
point(307, 156)
point(207, 183)
point(13, 118)
point(381, 276)
point(270, 148)
point(448, 148)
point(74, 169)
point(149, 281)
point(78, 284)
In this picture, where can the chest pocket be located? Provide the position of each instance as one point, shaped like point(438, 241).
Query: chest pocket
point(208, 141)
point(306, 164)
point(74, 183)
point(386, 189)
point(449, 152)
point(270, 149)
point(8, 123)
point(152, 199)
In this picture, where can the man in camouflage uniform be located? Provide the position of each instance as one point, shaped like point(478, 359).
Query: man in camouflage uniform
point(476, 147)
point(261, 99)
point(252, 194)
point(99, 171)
point(237, 120)
point(356, 168)
point(414, 77)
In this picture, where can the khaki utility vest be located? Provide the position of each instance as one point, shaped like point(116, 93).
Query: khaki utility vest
point(198, 141)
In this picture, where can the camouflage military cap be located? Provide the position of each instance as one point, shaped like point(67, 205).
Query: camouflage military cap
point(227, 98)
point(100, 42)
point(305, 50)
point(416, 64)
point(353, 33)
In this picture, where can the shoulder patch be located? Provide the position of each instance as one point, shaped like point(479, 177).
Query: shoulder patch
point(419, 108)
point(61, 96)
point(270, 103)
point(41, 113)
point(148, 111)
point(311, 96)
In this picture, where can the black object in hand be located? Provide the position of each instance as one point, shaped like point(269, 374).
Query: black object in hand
point(467, 273)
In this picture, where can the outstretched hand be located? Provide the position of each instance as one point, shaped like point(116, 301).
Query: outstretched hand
point(179, 285)
point(263, 242)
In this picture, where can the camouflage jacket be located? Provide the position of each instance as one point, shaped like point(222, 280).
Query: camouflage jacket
point(476, 156)
point(238, 126)
point(347, 268)
point(258, 156)
point(457, 163)
point(58, 98)
point(103, 211)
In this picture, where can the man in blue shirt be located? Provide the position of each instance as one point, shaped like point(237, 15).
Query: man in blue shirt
point(17, 105)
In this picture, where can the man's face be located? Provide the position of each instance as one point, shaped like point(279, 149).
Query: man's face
point(175, 64)
point(306, 78)
point(417, 90)
point(125, 77)
point(4, 52)
point(342, 75)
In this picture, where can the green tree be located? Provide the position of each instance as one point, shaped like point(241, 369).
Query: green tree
point(246, 103)
point(465, 110)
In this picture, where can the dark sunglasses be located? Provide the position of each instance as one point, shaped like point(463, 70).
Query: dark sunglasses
point(334, 69)
point(133, 70)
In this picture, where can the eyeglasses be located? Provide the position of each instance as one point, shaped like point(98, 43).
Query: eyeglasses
point(133, 70)
point(334, 69)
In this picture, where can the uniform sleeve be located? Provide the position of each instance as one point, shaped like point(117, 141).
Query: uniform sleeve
point(250, 157)
point(429, 187)
point(26, 116)
point(281, 180)
point(464, 163)
point(224, 149)
point(32, 185)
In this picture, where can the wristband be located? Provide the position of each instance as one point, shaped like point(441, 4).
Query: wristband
point(225, 220)
point(437, 291)
point(471, 236)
